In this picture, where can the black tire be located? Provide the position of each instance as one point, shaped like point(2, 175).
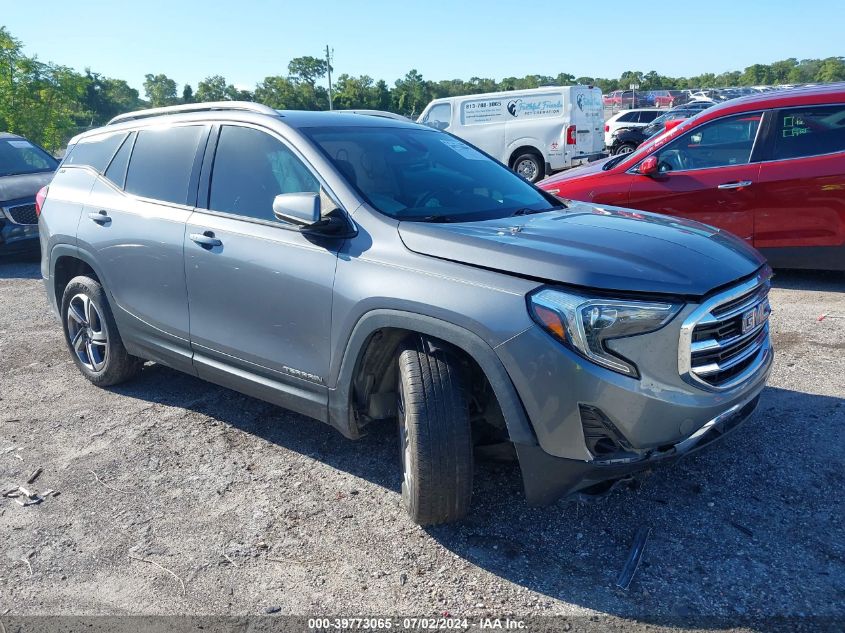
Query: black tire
point(538, 168)
point(95, 345)
point(435, 439)
point(625, 148)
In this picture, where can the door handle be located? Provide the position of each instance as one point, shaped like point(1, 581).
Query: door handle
point(737, 184)
point(100, 217)
point(205, 239)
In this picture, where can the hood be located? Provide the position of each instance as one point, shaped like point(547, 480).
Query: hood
point(575, 173)
point(23, 185)
point(603, 248)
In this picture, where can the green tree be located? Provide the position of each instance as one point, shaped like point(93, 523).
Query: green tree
point(831, 69)
point(215, 88)
point(278, 92)
point(187, 94)
point(160, 90)
point(307, 69)
point(412, 94)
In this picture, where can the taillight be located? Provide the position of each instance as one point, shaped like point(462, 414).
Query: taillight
point(607, 128)
point(40, 197)
point(570, 135)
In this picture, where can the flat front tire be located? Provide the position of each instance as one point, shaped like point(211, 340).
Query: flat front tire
point(434, 433)
point(91, 334)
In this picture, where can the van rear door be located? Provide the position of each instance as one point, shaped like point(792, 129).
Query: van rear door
point(587, 115)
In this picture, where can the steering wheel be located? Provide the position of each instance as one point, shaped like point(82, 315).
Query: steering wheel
point(676, 159)
point(430, 195)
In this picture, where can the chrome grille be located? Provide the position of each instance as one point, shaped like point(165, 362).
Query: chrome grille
point(725, 341)
point(22, 214)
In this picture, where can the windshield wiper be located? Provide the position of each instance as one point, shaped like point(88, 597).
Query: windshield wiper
point(442, 219)
point(527, 211)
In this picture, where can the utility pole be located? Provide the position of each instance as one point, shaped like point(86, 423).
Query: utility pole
point(329, 67)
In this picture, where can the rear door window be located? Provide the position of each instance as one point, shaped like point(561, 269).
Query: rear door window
point(250, 169)
point(95, 151)
point(809, 131)
point(628, 117)
point(162, 162)
point(647, 116)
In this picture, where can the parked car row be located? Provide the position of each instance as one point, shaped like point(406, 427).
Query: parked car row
point(768, 168)
point(623, 137)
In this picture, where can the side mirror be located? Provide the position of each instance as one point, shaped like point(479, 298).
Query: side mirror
point(297, 208)
point(649, 166)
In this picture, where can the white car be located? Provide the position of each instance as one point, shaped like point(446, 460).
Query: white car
point(629, 118)
point(534, 132)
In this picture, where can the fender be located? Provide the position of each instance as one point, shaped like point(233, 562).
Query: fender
point(340, 417)
point(70, 250)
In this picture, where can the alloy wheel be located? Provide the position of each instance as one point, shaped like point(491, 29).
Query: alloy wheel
point(87, 332)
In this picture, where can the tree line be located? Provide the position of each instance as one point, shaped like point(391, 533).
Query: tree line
point(49, 103)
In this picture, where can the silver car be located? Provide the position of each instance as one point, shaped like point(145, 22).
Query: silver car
point(357, 269)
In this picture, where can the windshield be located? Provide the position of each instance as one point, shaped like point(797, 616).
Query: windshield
point(19, 156)
point(419, 174)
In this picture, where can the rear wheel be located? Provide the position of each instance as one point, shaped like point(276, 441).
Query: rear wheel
point(529, 166)
point(434, 434)
point(91, 334)
point(625, 148)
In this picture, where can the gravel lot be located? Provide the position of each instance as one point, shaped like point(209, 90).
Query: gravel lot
point(253, 508)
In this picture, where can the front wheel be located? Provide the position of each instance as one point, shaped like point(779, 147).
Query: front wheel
point(625, 148)
point(434, 434)
point(529, 166)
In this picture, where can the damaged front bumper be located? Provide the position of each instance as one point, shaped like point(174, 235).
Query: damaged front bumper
point(547, 478)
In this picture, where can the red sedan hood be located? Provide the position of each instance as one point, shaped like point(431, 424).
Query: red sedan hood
point(571, 174)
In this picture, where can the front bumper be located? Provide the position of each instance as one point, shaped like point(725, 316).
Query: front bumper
point(547, 478)
point(593, 424)
point(17, 238)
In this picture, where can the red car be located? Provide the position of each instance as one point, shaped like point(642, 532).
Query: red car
point(769, 168)
point(668, 98)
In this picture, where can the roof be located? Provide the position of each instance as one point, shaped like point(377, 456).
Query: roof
point(508, 93)
point(9, 135)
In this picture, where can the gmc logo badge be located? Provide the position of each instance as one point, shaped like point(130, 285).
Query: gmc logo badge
point(755, 316)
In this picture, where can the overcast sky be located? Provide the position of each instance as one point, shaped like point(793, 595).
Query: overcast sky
point(247, 40)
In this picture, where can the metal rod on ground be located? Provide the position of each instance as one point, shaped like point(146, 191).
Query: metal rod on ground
point(634, 558)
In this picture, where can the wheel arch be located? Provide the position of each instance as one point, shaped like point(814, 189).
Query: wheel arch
point(374, 340)
point(66, 262)
point(525, 149)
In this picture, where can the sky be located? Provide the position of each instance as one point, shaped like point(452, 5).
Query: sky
point(248, 40)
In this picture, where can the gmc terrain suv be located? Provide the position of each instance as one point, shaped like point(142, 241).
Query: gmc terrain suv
point(358, 269)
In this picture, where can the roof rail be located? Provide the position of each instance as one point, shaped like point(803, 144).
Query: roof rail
point(195, 107)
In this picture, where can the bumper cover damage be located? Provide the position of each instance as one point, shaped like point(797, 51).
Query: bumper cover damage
point(547, 478)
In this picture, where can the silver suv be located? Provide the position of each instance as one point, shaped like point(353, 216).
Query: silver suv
point(358, 269)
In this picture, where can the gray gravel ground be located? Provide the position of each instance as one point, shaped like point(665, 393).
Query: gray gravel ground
point(254, 508)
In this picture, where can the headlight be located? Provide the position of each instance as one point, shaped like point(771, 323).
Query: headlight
point(587, 323)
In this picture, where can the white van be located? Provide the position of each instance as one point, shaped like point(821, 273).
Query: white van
point(534, 132)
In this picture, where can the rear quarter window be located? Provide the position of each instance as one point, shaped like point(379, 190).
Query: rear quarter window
point(94, 151)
